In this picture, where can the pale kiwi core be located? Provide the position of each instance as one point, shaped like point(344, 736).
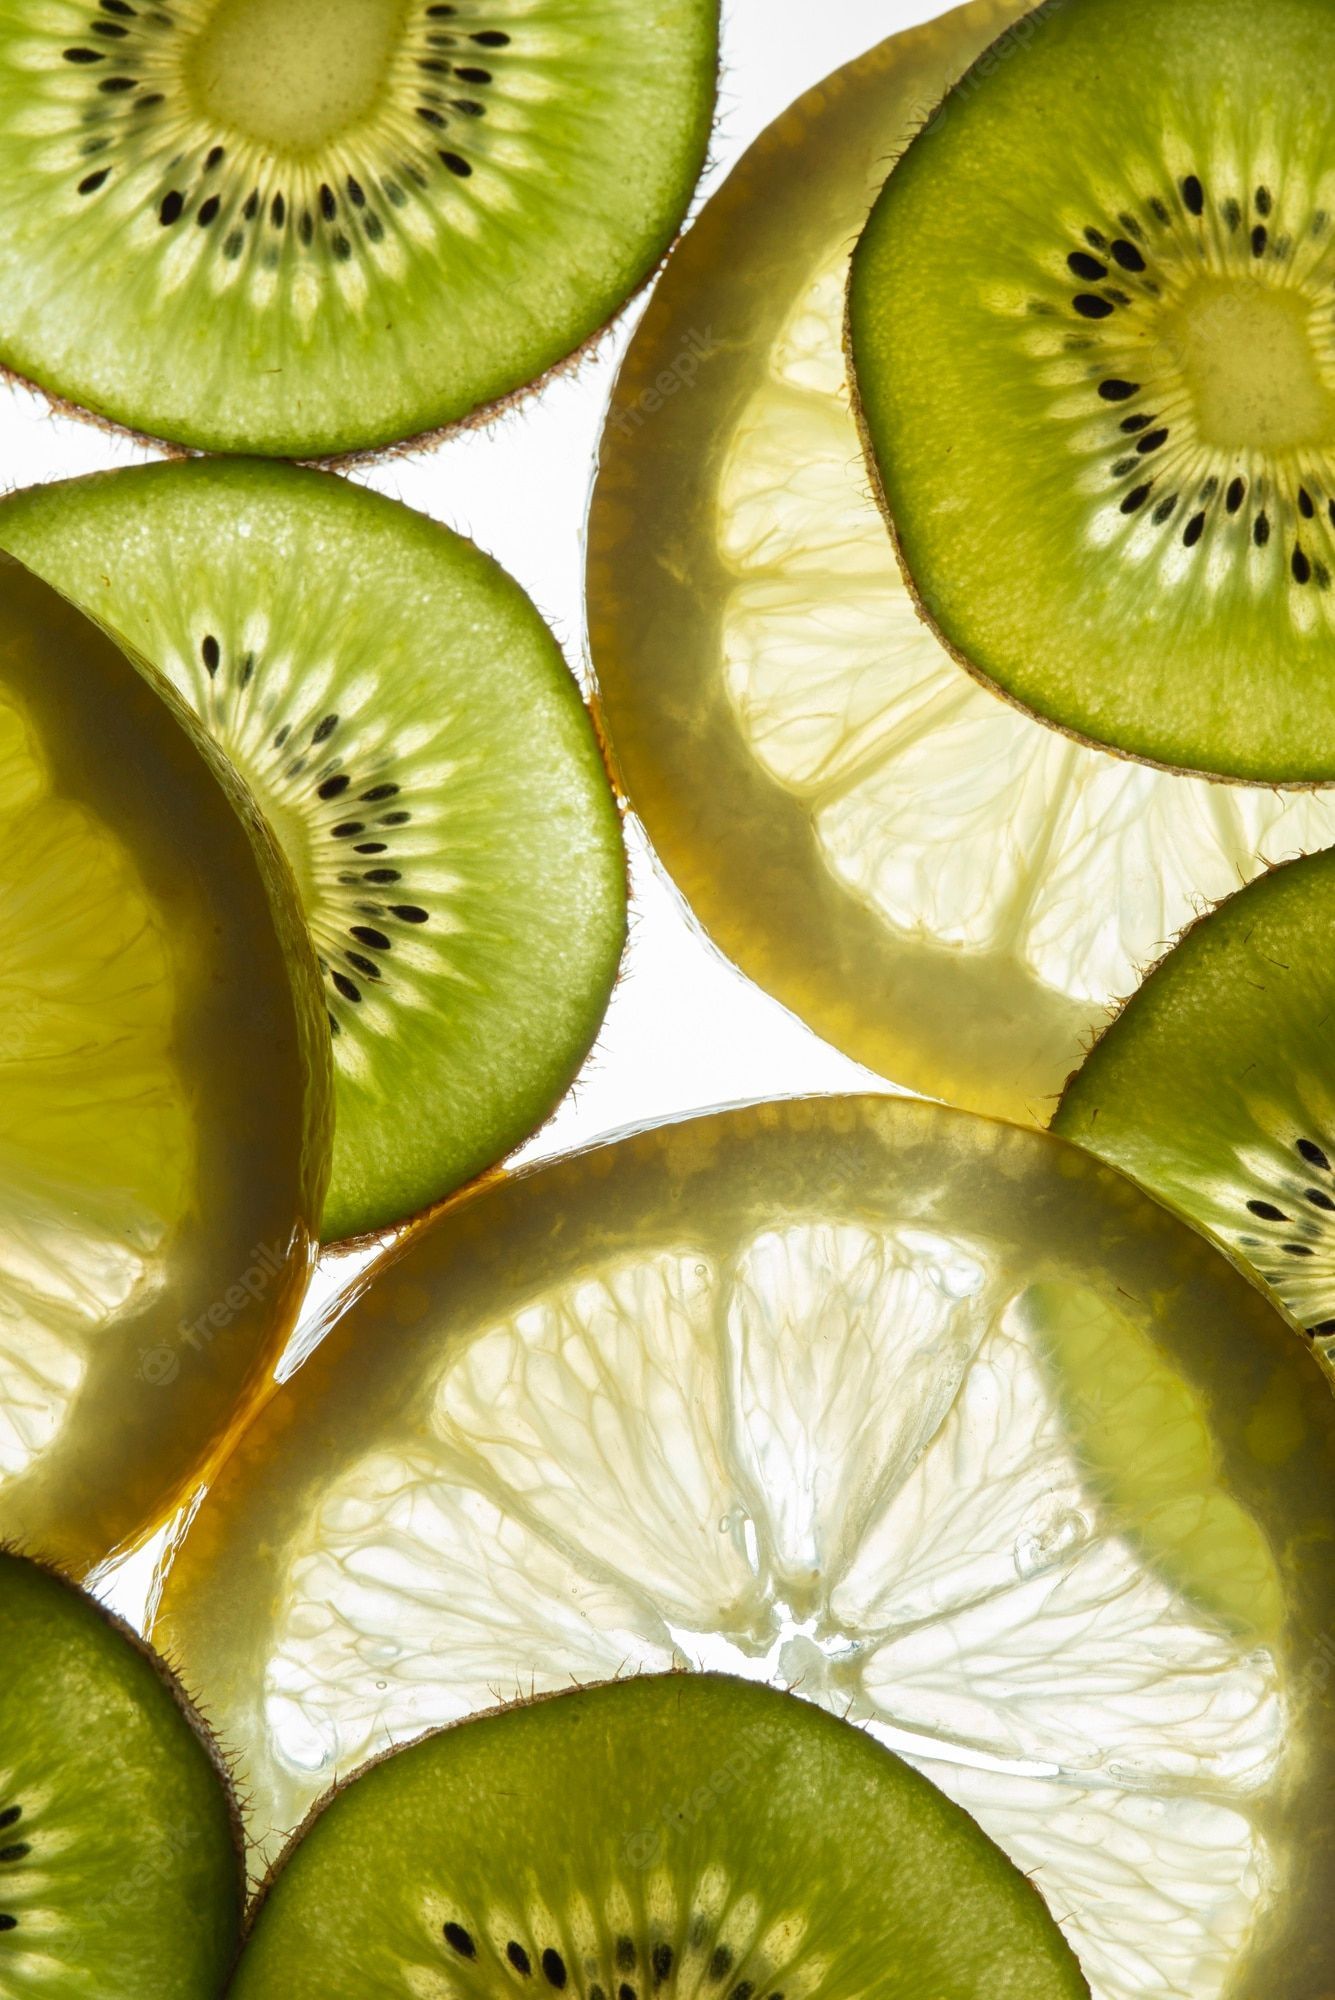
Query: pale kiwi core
point(293, 74)
point(1251, 366)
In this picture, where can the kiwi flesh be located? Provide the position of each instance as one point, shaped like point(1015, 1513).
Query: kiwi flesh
point(1215, 1086)
point(120, 1857)
point(1097, 377)
point(675, 1834)
point(408, 726)
point(305, 227)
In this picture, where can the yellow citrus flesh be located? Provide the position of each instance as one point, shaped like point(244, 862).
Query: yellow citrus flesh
point(938, 1420)
point(163, 1094)
point(951, 892)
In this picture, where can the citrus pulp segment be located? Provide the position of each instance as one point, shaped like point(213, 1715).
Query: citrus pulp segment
point(680, 1832)
point(951, 893)
point(939, 1421)
point(120, 1857)
point(1214, 1087)
point(164, 1092)
point(406, 723)
point(306, 227)
point(1096, 375)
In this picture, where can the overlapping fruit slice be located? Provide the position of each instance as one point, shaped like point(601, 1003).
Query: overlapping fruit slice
point(939, 1421)
point(950, 892)
point(406, 723)
point(164, 1091)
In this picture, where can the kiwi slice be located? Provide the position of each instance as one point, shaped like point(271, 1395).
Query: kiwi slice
point(408, 727)
point(120, 1855)
point(1097, 377)
point(670, 1835)
point(941, 1422)
point(164, 1091)
point(1215, 1087)
point(310, 226)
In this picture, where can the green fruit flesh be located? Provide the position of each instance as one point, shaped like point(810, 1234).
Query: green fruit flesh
point(164, 1091)
point(668, 1835)
point(407, 725)
point(120, 1867)
point(1097, 377)
point(940, 1422)
point(310, 226)
point(1215, 1086)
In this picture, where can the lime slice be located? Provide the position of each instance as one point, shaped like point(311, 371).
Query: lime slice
point(163, 1092)
point(939, 1421)
point(950, 892)
point(676, 1831)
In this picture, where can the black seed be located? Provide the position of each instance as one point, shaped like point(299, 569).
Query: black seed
point(1267, 1211)
point(281, 735)
point(278, 211)
point(370, 847)
point(455, 1934)
point(553, 1968)
point(1323, 1326)
point(394, 194)
point(720, 1965)
point(170, 211)
point(211, 653)
point(1086, 266)
point(1305, 506)
point(1261, 530)
point(378, 792)
point(430, 117)
point(1260, 237)
point(1264, 203)
point(306, 227)
point(333, 1024)
point(1165, 510)
point(121, 7)
point(233, 245)
point(1127, 255)
point(148, 101)
point(328, 206)
point(116, 86)
point(1296, 1249)
point(409, 913)
point(110, 31)
point(347, 828)
point(365, 935)
point(742, 1990)
point(324, 729)
point(208, 211)
point(92, 182)
point(625, 1991)
point(374, 227)
point(1123, 466)
point(1135, 500)
point(468, 107)
point(10, 1817)
point(18, 1852)
point(332, 788)
point(84, 55)
point(661, 1962)
point(596, 1992)
point(340, 246)
point(252, 207)
point(1237, 493)
point(363, 965)
point(1116, 391)
point(473, 75)
point(1152, 441)
point(1133, 424)
point(457, 164)
point(1193, 194)
point(1193, 531)
point(491, 38)
point(216, 156)
point(433, 66)
point(1158, 208)
point(356, 194)
point(1090, 307)
point(247, 669)
point(8, 1923)
point(384, 875)
point(625, 1954)
point(1302, 568)
point(1320, 1200)
point(1232, 213)
point(394, 819)
point(518, 1957)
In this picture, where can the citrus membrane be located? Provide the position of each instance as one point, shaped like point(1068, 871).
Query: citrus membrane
point(407, 725)
point(164, 1091)
point(1214, 1087)
point(948, 891)
point(679, 1832)
point(1097, 375)
point(309, 226)
point(120, 1858)
point(938, 1421)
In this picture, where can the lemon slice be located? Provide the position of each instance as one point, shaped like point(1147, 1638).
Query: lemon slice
point(949, 891)
point(941, 1422)
point(163, 1093)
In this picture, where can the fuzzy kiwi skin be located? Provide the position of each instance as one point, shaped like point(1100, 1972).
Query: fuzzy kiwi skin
point(121, 1854)
point(402, 1877)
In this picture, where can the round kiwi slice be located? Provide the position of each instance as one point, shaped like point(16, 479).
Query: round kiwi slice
point(670, 1835)
point(1097, 375)
point(310, 226)
point(164, 1091)
point(951, 892)
point(120, 1853)
point(1215, 1086)
point(941, 1422)
point(409, 729)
